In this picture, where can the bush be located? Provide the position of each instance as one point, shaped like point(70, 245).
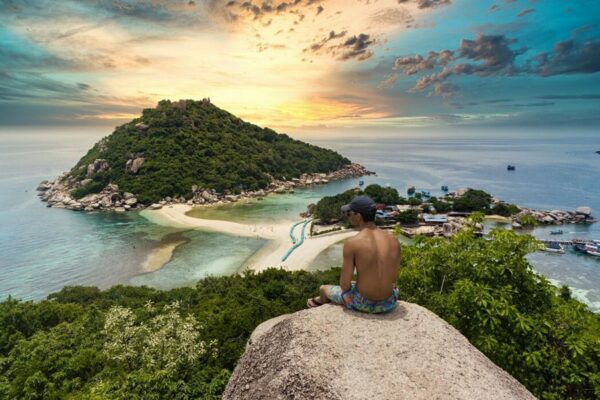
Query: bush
point(329, 207)
point(488, 291)
point(408, 217)
point(473, 200)
point(505, 210)
point(528, 220)
point(380, 194)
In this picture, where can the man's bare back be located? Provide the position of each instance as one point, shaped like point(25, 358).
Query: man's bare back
point(376, 256)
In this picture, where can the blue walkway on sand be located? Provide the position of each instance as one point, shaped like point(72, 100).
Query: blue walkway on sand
point(292, 231)
point(296, 244)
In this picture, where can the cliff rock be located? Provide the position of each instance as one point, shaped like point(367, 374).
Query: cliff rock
point(332, 353)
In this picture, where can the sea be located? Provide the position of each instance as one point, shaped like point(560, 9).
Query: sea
point(43, 250)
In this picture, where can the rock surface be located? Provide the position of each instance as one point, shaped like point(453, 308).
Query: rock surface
point(332, 353)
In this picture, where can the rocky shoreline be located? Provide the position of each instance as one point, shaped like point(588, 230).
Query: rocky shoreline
point(58, 193)
point(582, 215)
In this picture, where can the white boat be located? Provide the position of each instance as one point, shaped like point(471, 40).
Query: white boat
point(593, 249)
point(554, 247)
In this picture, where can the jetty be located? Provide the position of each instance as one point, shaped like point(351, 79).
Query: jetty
point(571, 242)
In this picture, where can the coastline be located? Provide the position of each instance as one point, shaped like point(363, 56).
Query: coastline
point(269, 255)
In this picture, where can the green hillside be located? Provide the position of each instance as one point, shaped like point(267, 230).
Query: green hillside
point(185, 143)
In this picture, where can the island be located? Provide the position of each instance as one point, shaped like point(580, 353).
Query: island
point(191, 152)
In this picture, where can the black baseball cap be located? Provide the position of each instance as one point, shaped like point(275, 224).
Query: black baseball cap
point(361, 204)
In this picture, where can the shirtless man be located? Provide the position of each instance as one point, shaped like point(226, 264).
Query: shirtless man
point(376, 256)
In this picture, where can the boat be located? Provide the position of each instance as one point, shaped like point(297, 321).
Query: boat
point(593, 249)
point(361, 182)
point(556, 232)
point(580, 247)
point(444, 188)
point(411, 190)
point(511, 168)
point(425, 193)
point(554, 247)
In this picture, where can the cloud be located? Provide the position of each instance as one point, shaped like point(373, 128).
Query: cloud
point(527, 105)
point(356, 46)
point(495, 55)
point(392, 16)
point(426, 3)
point(388, 82)
point(568, 57)
point(235, 10)
point(445, 89)
point(525, 12)
point(412, 64)
point(569, 97)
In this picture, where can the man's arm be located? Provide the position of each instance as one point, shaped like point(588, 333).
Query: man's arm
point(397, 261)
point(347, 267)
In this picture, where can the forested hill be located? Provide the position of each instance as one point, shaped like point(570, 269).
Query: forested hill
point(179, 144)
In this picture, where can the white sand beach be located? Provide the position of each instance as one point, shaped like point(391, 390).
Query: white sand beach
point(277, 236)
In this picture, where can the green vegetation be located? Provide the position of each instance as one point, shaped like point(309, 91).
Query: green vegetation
point(476, 217)
point(505, 210)
point(408, 217)
point(473, 200)
point(440, 205)
point(141, 343)
point(380, 194)
point(487, 290)
point(528, 220)
point(329, 207)
point(195, 143)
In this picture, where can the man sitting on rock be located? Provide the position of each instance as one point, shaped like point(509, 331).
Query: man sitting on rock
point(376, 256)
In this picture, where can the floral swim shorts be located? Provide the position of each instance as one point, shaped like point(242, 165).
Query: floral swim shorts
point(353, 300)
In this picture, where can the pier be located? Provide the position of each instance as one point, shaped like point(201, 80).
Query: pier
point(571, 242)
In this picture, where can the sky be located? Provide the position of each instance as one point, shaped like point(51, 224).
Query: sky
point(304, 65)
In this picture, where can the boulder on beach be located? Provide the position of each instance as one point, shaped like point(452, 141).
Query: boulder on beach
point(332, 353)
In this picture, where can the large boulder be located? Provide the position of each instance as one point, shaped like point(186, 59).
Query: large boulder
point(134, 165)
point(99, 165)
point(333, 353)
point(584, 210)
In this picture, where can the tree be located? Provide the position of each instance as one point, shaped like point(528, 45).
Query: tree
point(476, 217)
point(385, 195)
point(473, 200)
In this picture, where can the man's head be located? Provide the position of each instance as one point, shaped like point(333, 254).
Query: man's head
point(360, 209)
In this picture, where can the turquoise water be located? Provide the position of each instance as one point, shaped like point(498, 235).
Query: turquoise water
point(42, 250)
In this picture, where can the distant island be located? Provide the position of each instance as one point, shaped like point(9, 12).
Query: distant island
point(190, 152)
